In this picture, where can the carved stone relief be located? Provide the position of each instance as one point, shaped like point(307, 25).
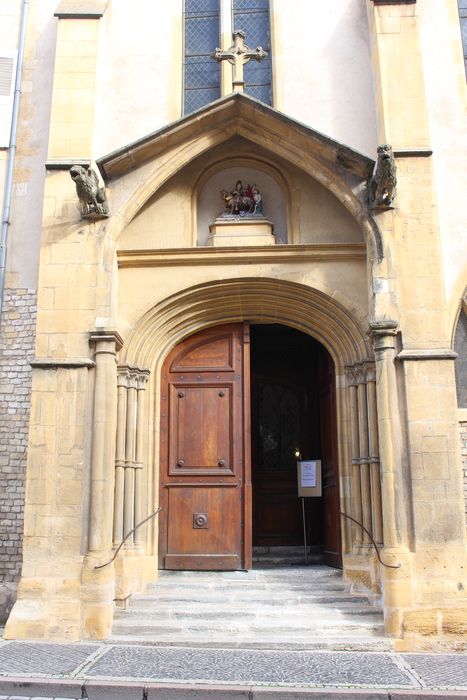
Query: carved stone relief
point(242, 201)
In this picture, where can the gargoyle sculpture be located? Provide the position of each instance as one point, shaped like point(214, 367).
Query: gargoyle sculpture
point(384, 181)
point(92, 197)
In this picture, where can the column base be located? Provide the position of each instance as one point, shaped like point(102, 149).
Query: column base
point(362, 572)
point(46, 609)
point(424, 600)
point(133, 572)
point(98, 593)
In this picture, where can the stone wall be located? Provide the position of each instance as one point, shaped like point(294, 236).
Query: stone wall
point(17, 329)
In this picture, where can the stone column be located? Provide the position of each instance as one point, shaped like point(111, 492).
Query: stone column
point(122, 377)
point(130, 452)
point(383, 333)
point(106, 345)
point(140, 512)
point(97, 584)
point(376, 505)
point(356, 483)
point(364, 453)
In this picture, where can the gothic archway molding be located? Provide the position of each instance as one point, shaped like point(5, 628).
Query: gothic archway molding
point(261, 300)
point(150, 162)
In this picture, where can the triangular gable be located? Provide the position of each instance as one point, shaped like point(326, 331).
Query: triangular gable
point(225, 112)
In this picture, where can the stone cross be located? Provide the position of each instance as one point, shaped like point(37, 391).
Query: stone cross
point(239, 54)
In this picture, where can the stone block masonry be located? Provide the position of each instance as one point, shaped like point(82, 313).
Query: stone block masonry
point(17, 330)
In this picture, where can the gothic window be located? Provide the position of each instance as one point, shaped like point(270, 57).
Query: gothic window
point(463, 20)
point(252, 16)
point(202, 30)
point(201, 74)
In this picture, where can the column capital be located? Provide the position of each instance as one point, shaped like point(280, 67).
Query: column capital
point(142, 379)
point(370, 370)
point(351, 374)
point(383, 332)
point(106, 337)
point(382, 326)
point(360, 373)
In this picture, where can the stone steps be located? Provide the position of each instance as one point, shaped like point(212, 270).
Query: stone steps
point(286, 556)
point(294, 608)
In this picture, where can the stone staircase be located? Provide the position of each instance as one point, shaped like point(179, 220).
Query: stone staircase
point(293, 607)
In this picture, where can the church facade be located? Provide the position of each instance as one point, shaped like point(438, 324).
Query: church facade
point(242, 229)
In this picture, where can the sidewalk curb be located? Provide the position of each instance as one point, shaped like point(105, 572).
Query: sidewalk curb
point(127, 690)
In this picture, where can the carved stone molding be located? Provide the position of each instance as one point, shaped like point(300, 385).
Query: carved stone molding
point(383, 332)
point(142, 379)
point(360, 373)
point(351, 375)
point(370, 370)
point(132, 377)
point(382, 327)
point(81, 9)
point(427, 354)
point(107, 336)
point(394, 2)
point(66, 363)
point(413, 153)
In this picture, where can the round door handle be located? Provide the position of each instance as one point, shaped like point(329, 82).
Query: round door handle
point(222, 463)
point(181, 394)
point(221, 393)
point(180, 462)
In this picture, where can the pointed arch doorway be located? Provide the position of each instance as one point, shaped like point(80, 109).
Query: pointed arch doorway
point(237, 401)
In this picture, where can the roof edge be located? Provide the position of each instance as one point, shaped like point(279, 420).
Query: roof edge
point(134, 154)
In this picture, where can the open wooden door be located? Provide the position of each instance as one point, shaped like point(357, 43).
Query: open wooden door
point(329, 460)
point(205, 470)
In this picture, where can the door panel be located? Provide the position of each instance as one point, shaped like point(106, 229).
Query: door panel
point(203, 452)
point(202, 432)
point(204, 528)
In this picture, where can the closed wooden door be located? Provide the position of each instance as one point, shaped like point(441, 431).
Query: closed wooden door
point(204, 454)
point(329, 461)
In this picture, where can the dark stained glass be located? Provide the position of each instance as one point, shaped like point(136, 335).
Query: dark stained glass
point(252, 16)
point(279, 426)
point(460, 346)
point(201, 73)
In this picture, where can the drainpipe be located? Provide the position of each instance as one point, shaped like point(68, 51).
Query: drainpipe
point(12, 149)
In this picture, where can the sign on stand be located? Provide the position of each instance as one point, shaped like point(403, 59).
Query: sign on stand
point(309, 486)
point(309, 478)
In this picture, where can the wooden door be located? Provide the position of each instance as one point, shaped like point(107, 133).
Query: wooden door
point(329, 461)
point(204, 454)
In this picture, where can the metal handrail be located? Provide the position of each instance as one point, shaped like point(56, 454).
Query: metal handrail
point(388, 566)
point(156, 512)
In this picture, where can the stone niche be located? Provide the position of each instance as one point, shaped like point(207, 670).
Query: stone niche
point(215, 229)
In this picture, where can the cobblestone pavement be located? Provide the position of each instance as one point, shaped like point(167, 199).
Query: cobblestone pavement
point(81, 667)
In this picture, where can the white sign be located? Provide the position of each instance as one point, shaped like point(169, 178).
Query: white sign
point(308, 475)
